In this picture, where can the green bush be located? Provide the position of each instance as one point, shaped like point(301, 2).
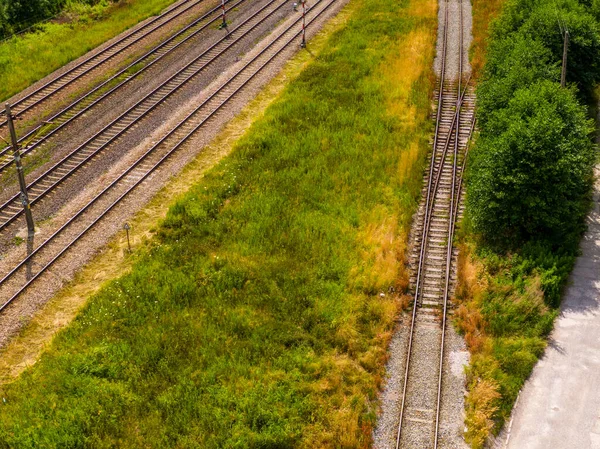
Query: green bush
point(532, 168)
point(17, 15)
point(512, 64)
point(542, 21)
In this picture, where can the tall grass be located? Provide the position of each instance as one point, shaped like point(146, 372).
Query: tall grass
point(254, 317)
point(484, 12)
point(28, 58)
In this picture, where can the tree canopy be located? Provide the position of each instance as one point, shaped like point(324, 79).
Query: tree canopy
point(533, 167)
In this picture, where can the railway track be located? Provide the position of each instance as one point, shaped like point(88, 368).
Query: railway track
point(140, 172)
point(55, 176)
point(33, 139)
point(433, 256)
point(93, 62)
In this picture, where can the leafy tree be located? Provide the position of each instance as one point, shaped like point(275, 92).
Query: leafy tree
point(512, 64)
point(5, 28)
point(583, 65)
point(21, 13)
point(542, 21)
point(532, 168)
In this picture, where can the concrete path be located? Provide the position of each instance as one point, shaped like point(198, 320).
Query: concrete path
point(559, 407)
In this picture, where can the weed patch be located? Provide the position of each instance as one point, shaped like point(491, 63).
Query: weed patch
point(484, 13)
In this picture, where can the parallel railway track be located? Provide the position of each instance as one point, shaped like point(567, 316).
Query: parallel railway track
point(93, 62)
point(138, 174)
point(54, 177)
point(36, 137)
point(434, 257)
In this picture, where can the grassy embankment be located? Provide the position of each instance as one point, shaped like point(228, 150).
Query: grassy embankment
point(516, 254)
point(28, 58)
point(253, 317)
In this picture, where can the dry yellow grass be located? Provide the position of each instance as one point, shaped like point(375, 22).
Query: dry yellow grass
point(480, 408)
point(383, 251)
point(407, 62)
point(424, 9)
point(471, 285)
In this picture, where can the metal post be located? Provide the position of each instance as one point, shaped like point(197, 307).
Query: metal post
point(303, 43)
point(563, 75)
point(20, 174)
point(127, 228)
point(224, 23)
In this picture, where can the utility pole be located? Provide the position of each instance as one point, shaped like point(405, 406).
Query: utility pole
point(303, 43)
point(563, 75)
point(17, 157)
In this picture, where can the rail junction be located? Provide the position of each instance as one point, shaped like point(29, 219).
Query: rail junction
point(433, 257)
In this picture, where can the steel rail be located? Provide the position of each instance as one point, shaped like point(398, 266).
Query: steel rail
point(163, 158)
point(452, 216)
point(32, 139)
point(11, 207)
point(454, 130)
point(463, 168)
point(444, 153)
point(23, 105)
point(447, 144)
point(425, 224)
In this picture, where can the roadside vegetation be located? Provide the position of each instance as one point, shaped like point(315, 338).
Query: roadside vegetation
point(528, 192)
point(81, 26)
point(254, 317)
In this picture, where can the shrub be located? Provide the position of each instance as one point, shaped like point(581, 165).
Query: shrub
point(16, 15)
point(512, 64)
point(532, 168)
point(480, 408)
point(542, 21)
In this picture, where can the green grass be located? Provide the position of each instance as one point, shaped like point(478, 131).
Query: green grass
point(28, 58)
point(253, 318)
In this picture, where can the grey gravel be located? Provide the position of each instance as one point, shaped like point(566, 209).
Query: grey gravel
point(452, 48)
